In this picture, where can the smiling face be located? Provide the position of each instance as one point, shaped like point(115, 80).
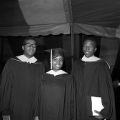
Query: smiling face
point(57, 62)
point(29, 48)
point(89, 48)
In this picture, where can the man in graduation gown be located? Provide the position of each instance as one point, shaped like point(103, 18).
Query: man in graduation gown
point(19, 84)
point(93, 80)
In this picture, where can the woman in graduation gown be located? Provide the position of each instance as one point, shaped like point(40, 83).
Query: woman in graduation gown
point(56, 91)
point(93, 80)
point(19, 84)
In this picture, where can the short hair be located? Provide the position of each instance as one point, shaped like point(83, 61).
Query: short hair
point(91, 38)
point(28, 38)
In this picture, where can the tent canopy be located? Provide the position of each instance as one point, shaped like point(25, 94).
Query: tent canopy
point(43, 17)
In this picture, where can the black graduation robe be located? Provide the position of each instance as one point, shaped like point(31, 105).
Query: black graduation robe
point(19, 89)
point(93, 79)
point(56, 97)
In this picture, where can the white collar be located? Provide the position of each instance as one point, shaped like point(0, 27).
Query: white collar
point(23, 58)
point(55, 73)
point(90, 59)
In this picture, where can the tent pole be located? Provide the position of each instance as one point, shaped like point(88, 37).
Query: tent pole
point(72, 42)
point(71, 31)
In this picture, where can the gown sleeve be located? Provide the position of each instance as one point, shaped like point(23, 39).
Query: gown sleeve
point(70, 99)
point(38, 91)
point(107, 94)
point(72, 102)
point(5, 90)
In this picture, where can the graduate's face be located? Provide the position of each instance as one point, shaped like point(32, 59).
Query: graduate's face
point(29, 48)
point(57, 63)
point(89, 48)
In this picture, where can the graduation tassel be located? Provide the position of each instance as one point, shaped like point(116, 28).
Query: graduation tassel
point(51, 59)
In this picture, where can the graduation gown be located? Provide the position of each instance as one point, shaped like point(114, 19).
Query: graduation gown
point(93, 79)
point(56, 97)
point(19, 89)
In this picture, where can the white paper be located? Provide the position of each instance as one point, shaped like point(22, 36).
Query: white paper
point(96, 105)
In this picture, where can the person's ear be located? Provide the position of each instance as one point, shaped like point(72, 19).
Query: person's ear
point(22, 47)
point(95, 49)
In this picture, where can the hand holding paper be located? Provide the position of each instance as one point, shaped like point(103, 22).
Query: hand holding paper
point(96, 105)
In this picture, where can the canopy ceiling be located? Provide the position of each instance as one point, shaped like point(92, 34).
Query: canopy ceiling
point(43, 17)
